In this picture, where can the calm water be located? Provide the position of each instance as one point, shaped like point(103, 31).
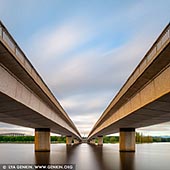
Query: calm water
point(90, 157)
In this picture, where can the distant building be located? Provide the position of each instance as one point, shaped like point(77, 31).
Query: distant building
point(12, 134)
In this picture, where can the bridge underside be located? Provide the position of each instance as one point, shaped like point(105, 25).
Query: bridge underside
point(144, 100)
point(25, 99)
point(16, 113)
point(151, 114)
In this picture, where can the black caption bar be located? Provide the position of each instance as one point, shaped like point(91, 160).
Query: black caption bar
point(37, 167)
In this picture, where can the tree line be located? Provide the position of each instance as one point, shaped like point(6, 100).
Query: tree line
point(57, 139)
point(140, 138)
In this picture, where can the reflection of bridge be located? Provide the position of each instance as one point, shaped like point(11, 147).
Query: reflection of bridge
point(143, 100)
point(26, 100)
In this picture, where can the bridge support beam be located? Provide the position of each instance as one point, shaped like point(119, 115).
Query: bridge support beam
point(100, 140)
point(42, 139)
point(69, 140)
point(127, 140)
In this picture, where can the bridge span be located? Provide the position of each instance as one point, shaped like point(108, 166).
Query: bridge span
point(26, 100)
point(143, 100)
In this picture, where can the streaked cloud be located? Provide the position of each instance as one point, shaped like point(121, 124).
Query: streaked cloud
point(56, 41)
point(156, 130)
point(8, 128)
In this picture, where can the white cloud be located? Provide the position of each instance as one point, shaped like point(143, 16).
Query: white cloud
point(156, 130)
point(9, 128)
point(57, 40)
point(84, 122)
point(97, 69)
point(85, 109)
point(85, 103)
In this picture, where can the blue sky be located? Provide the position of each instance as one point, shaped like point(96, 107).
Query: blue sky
point(85, 50)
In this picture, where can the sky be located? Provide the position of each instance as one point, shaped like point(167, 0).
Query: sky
point(85, 50)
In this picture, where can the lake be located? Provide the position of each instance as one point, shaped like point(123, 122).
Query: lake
point(154, 156)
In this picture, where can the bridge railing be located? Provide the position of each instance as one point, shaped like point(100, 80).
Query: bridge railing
point(16, 51)
point(156, 48)
point(7, 39)
point(154, 51)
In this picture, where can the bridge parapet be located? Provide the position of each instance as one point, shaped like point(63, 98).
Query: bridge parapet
point(19, 55)
point(136, 80)
point(16, 61)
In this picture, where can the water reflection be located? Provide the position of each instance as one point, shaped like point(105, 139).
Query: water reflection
point(42, 158)
point(97, 153)
point(58, 154)
point(90, 157)
point(82, 156)
point(127, 160)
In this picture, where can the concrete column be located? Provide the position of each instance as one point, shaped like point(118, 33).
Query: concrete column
point(76, 141)
point(69, 140)
point(127, 140)
point(42, 139)
point(92, 141)
point(89, 141)
point(100, 140)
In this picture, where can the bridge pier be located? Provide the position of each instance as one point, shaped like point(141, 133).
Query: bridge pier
point(127, 140)
point(100, 140)
point(76, 141)
point(69, 140)
point(92, 141)
point(42, 139)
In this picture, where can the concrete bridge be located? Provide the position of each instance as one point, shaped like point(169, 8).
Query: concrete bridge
point(143, 100)
point(26, 100)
